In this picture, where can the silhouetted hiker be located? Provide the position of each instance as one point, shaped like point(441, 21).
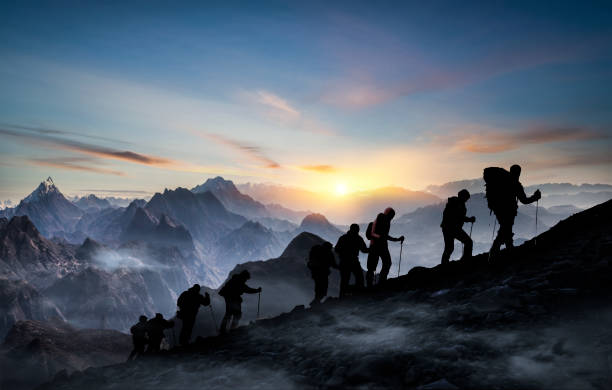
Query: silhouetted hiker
point(503, 188)
point(320, 259)
point(232, 291)
point(155, 330)
point(453, 219)
point(379, 237)
point(347, 248)
point(189, 303)
point(139, 338)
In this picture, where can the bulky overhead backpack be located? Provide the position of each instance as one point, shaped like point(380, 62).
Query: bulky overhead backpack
point(369, 230)
point(498, 188)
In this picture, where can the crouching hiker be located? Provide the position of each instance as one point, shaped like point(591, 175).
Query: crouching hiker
point(155, 330)
point(320, 259)
point(139, 338)
point(189, 303)
point(232, 293)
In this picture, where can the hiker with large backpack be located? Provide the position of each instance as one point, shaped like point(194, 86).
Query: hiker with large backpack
point(378, 234)
point(453, 218)
point(348, 248)
point(189, 303)
point(503, 191)
point(320, 259)
point(232, 293)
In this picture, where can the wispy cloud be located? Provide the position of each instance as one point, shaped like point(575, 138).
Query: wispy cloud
point(72, 164)
point(252, 152)
point(285, 113)
point(50, 131)
point(86, 148)
point(275, 102)
point(586, 159)
point(319, 168)
point(497, 141)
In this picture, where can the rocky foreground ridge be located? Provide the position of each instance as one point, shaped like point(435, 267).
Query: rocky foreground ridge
point(537, 318)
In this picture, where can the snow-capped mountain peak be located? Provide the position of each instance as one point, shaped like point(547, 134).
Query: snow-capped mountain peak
point(44, 189)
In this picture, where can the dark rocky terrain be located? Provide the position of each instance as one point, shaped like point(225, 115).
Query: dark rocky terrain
point(538, 317)
point(33, 351)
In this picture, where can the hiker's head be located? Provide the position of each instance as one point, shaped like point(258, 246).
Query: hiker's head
point(196, 287)
point(515, 171)
point(159, 316)
point(389, 212)
point(464, 195)
point(327, 246)
point(245, 275)
point(142, 318)
point(354, 229)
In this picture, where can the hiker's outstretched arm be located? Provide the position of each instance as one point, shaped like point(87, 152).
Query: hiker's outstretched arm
point(250, 290)
point(520, 194)
point(363, 247)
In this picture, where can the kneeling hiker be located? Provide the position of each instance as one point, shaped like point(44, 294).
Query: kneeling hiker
point(155, 330)
point(232, 292)
point(453, 219)
point(139, 338)
point(348, 248)
point(189, 303)
point(320, 259)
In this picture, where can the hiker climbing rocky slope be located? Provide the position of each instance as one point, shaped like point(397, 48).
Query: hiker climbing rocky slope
point(539, 317)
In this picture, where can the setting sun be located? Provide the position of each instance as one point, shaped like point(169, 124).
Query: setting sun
point(341, 189)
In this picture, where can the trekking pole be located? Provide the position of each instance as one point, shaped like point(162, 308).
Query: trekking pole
point(471, 227)
point(492, 234)
point(258, 301)
point(535, 239)
point(399, 265)
point(212, 314)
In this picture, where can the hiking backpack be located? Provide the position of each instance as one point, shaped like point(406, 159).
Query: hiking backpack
point(498, 188)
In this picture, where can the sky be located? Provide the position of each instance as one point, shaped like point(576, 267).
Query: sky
point(128, 98)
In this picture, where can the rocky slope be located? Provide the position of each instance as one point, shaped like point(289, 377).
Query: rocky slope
point(35, 351)
point(538, 317)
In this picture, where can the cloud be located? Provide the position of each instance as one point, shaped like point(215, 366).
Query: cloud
point(319, 168)
point(369, 81)
point(497, 141)
point(281, 111)
point(250, 151)
point(73, 165)
point(275, 102)
point(590, 159)
point(41, 130)
point(89, 149)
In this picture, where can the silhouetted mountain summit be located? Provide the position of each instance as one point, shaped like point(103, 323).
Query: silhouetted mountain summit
point(91, 203)
point(537, 318)
point(231, 198)
point(317, 224)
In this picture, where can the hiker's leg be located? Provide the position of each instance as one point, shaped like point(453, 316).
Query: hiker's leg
point(467, 244)
point(358, 272)
point(499, 237)
point(385, 257)
point(504, 235)
point(236, 319)
point(372, 264)
point(345, 275)
point(226, 317)
point(449, 245)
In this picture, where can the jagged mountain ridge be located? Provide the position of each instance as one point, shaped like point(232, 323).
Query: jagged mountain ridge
point(540, 318)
